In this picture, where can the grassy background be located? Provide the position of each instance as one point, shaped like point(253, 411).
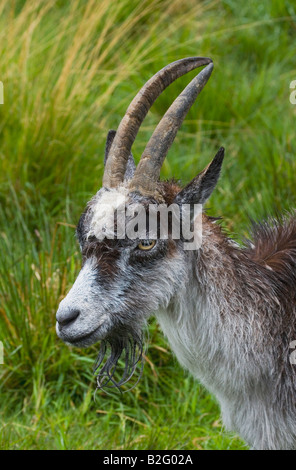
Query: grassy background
point(69, 71)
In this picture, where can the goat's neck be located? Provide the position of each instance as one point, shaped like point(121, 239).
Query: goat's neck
point(231, 326)
point(212, 323)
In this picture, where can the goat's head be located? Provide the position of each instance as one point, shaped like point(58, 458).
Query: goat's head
point(124, 279)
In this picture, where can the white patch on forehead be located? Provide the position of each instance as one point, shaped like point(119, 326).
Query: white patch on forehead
point(102, 221)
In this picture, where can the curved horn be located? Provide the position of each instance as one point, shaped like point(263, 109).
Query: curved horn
point(148, 170)
point(136, 112)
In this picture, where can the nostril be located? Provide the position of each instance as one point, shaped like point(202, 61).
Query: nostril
point(68, 316)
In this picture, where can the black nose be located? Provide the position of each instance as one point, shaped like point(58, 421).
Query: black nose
point(66, 316)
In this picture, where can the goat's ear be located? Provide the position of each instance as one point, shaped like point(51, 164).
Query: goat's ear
point(109, 140)
point(130, 167)
point(201, 187)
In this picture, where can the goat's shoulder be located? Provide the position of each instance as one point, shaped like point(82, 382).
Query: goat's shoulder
point(273, 245)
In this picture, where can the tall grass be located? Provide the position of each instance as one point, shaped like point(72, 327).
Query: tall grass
point(69, 71)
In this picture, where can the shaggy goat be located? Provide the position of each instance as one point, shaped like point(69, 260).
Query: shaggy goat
point(227, 311)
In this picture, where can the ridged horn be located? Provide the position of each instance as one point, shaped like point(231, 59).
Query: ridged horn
point(136, 112)
point(148, 170)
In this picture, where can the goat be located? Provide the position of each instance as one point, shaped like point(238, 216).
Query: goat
point(228, 310)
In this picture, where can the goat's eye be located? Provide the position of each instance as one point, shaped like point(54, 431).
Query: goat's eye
point(146, 244)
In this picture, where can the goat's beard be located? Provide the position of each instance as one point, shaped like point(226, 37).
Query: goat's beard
point(124, 344)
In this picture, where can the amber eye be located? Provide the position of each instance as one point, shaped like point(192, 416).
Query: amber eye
point(146, 244)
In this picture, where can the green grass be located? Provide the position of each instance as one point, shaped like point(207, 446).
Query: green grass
point(69, 71)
